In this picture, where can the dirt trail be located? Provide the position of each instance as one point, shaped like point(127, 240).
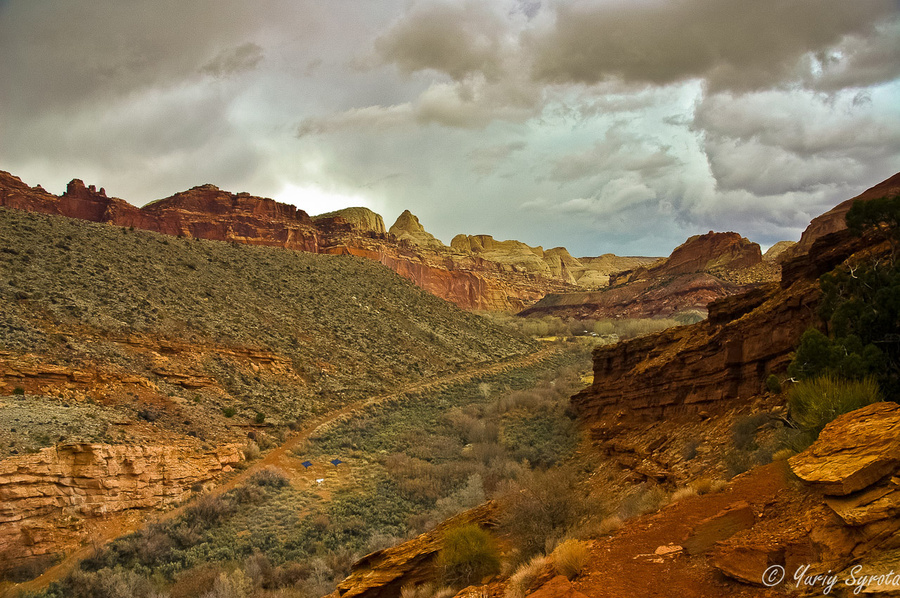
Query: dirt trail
point(125, 523)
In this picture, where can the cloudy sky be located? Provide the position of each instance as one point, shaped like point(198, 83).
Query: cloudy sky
point(602, 125)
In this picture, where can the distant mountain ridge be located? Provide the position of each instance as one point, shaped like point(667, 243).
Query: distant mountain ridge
point(510, 277)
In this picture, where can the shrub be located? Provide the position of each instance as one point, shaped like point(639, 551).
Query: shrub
point(19, 391)
point(251, 451)
point(260, 417)
point(570, 557)
point(229, 411)
point(814, 403)
point(270, 476)
point(525, 577)
point(773, 384)
point(682, 493)
point(208, 510)
point(542, 507)
point(469, 554)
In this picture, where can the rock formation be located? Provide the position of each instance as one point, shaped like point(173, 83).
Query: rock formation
point(407, 228)
point(850, 507)
point(48, 499)
point(362, 220)
point(472, 282)
point(725, 358)
point(703, 269)
point(382, 574)
point(774, 253)
point(834, 219)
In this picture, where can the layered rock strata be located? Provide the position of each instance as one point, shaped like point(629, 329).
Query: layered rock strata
point(48, 499)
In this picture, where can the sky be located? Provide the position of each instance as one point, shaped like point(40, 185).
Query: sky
point(620, 126)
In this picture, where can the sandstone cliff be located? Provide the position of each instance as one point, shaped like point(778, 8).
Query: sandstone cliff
point(704, 268)
point(48, 500)
point(725, 358)
point(408, 228)
point(362, 220)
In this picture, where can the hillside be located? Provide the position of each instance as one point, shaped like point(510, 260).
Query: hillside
point(164, 355)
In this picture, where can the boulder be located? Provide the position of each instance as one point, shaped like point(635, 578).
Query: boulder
point(853, 452)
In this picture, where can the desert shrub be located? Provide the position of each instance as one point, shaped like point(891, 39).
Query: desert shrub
point(209, 510)
point(570, 557)
point(738, 461)
point(251, 451)
point(542, 506)
point(743, 431)
point(814, 403)
point(260, 417)
point(468, 554)
point(644, 498)
point(106, 583)
point(270, 476)
point(230, 585)
point(525, 576)
point(229, 411)
point(682, 493)
point(19, 391)
point(195, 582)
point(706, 485)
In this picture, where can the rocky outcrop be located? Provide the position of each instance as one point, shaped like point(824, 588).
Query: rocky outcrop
point(362, 220)
point(48, 499)
point(723, 359)
point(853, 453)
point(846, 512)
point(697, 272)
point(382, 574)
point(834, 219)
point(774, 253)
point(207, 212)
point(408, 228)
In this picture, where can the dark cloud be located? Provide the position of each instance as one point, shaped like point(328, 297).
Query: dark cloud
point(233, 61)
point(732, 44)
point(456, 38)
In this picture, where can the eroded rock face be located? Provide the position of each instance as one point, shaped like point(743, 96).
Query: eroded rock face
point(853, 452)
point(725, 358)
point(361, 220)
point(701, 270)
point(48, 499)
point(846, 512)
point(382, 574)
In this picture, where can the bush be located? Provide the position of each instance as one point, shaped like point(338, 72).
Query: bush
point(773, 384)
point(543, 507)
point(469, 554)
point(570, 557)
point(814, 403)
point(19, 391)
point(229, 411)
point(270, 476)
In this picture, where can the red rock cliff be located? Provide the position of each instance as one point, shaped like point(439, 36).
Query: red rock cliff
point(727, 357)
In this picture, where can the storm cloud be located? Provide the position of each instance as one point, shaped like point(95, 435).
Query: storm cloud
point(599, 125)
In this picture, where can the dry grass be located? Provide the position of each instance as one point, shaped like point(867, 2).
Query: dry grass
point(521, 581)
point(570, 557)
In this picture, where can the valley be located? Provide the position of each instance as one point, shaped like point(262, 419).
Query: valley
point(255, 417)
